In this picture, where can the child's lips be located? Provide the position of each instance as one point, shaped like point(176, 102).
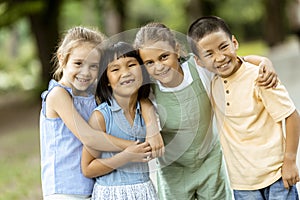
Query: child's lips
point(126, 82)
point(82, 80)
point(224, 65)
point(163, 73)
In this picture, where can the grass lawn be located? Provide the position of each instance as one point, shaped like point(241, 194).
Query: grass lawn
point(20, 165)
point(252, 48)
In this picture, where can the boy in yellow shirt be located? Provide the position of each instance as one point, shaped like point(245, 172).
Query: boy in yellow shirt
point(261, 161)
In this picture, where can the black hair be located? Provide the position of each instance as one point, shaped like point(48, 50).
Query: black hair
point(203, 26)
point(111, 53)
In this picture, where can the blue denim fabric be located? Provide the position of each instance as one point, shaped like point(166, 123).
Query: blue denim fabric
point(276, 191)
point(118, 126)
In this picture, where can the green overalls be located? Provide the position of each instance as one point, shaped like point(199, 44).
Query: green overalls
point(192, 167)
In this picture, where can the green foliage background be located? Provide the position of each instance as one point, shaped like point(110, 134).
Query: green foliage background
point(20, 67)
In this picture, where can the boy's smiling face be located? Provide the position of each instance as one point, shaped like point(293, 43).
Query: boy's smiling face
point(217, 53)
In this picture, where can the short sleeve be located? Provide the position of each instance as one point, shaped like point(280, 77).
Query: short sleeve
point(277, 102)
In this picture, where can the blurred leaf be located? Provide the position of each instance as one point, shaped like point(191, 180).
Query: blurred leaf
point(11, 11)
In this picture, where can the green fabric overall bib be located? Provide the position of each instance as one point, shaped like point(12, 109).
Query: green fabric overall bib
point(192, 166)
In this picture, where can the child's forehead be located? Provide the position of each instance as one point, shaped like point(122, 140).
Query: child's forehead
point(212, 36)
point(213, 40)
point(158, 45)
point(122, 59)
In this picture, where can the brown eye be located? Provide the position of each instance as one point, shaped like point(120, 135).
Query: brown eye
point(149, 64)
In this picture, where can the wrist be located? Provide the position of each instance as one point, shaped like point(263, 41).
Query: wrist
point(290, 156)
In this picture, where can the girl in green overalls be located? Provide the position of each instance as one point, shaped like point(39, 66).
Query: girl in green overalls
point(192, 166)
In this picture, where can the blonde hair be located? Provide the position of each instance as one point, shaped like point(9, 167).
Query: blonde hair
point(72, 39)
point(154, 32)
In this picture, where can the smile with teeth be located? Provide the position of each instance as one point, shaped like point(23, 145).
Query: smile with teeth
point(163, 73)
point(223, 65)
point(127, 82)
point(82, 80)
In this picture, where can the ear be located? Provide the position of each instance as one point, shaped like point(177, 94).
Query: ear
point(235, 42)
point(177, 50)
point(60, 59)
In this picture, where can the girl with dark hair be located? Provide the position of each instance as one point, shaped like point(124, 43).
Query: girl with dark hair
point(123, 83)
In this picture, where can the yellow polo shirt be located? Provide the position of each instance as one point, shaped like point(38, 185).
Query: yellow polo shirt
point(249, 123)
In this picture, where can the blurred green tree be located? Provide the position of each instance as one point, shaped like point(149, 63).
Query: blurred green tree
point(248, 19)
point(43, 18)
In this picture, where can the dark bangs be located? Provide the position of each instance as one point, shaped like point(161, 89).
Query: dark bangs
point(114, 52)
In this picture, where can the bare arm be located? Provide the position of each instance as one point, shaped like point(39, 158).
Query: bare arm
point(267, 74)
point(59, 104)
point(290, 174)
point(153, 134)
point(93, 167)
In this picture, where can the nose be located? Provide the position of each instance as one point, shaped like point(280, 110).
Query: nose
point(125, 72)
point(158, 66)
point(219, 56)
point(85, 70)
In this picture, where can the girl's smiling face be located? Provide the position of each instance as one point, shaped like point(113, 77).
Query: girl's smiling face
point(125, 76)
point(217, 53)
point(81, 69)
point(161, 62)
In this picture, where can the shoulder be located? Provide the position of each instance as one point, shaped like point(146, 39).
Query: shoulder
point(104, 109)
point(250, 68)
point(97, 120)
point(56, 100)
point(58, 94)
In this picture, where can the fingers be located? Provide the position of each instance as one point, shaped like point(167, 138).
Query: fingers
point(147, 157)
point(267, 80)
point(290, 182)
point(162, 151)
point(154, 153)
point(158, 151)
point(262, 68)
point(286, 184)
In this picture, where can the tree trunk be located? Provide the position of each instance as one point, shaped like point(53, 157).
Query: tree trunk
point(44, 26)
point(114, 16)
point(274, 26)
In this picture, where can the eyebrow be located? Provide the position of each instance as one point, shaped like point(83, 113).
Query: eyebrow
point(131, 59)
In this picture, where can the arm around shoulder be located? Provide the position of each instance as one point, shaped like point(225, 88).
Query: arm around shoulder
point(153, 134)
point(60, 104)
point(267, 74)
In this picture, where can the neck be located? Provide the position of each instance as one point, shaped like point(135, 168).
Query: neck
point(128, 105)
point(177, 80)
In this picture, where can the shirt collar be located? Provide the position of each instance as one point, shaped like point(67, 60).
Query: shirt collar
point(115, 106)
point(238, 72)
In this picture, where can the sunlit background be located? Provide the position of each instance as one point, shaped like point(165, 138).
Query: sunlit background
point(29, 32)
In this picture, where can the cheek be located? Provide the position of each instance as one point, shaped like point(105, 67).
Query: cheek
point(150, 70)
point(95, 74)
point(139, 74)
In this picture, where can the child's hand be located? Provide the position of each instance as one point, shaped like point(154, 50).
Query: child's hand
point(138, 152)
point(267, 75)
point(290, 174)
point(157, 145)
